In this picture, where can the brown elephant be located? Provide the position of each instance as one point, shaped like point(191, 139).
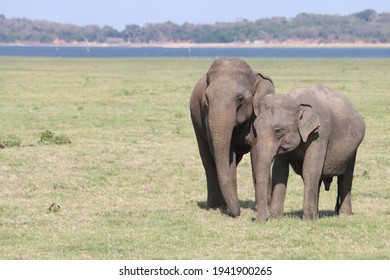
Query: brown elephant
point(315, 130)
point(221, 108)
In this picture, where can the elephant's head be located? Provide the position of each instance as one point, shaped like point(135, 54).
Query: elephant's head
point(281, 126)
point(231, 89)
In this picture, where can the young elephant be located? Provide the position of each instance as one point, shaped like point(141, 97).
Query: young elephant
point(315, 130)
point(221, 112)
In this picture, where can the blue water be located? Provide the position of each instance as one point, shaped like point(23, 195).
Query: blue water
point(107, 52)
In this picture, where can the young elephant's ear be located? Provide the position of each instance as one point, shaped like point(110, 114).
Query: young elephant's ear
point(263, 86)
point(308, 121)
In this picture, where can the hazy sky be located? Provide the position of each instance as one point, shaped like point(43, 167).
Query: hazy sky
point(119, 13)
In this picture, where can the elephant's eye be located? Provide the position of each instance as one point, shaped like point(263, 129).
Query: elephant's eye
point(240, 99)
point(279, 131)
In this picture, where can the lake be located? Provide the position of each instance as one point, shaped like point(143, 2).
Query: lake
point(111, 52)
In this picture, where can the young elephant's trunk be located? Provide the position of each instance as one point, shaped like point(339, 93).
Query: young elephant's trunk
point(262, 156)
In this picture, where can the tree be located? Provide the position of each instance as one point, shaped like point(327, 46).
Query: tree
point(366, 25)
point(131, 33)
point(366, 15)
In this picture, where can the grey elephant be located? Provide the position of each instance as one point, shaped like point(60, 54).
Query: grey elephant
point(315, 130)
point(221, 108)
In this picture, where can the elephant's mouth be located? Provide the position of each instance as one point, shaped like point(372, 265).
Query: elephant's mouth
point(282, 150)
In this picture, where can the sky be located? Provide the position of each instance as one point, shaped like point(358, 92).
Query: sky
point(119, 13)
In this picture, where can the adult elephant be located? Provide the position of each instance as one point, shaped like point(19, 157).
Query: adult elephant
point(315, 130)
point(222, 112)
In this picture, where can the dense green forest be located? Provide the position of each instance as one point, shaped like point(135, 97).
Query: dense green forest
point(366, 26)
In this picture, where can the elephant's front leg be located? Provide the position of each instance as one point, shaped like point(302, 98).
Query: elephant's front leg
point(280, 172)
point(214, 195)
point(313, 165)
point(310, 200)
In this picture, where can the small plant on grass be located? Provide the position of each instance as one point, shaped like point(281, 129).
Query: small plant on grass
point(54, 208)
point(61, 139)
point(11, 141)
point(48, 137)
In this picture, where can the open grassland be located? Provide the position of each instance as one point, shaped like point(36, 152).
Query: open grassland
point(131, 185)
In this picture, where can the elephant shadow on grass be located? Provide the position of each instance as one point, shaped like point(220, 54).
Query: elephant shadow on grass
point(250, 204)
point(245, 204)
point(297, 214)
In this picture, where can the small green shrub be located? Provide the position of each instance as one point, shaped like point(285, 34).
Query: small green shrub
point(11, 141)
point(54, 208)
point(48, 137)
point(61, 139)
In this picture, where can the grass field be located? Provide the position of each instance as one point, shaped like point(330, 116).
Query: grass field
point(131, 185)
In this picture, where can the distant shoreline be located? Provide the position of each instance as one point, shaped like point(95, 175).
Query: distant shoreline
point(189, 45)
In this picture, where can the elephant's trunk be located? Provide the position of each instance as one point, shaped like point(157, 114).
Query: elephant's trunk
point(220, 133)
point(262, 157)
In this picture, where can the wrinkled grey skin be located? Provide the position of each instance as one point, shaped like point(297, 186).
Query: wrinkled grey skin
point(221, 112)
point(315, 130)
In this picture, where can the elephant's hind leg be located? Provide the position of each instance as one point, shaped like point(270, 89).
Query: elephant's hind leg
point(344, 186)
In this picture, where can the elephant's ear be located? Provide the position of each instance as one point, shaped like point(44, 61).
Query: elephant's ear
point(308, 121)
point(263, 86)
point(207, 80)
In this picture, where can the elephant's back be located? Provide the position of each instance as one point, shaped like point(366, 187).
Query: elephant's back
point(320, 97)
point(347, 125)
point(343, 111)
point(336, 112)
point(341, 123)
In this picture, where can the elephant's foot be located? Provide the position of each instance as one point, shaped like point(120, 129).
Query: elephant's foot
point(310, 215)
point(262, 210)
point(262, 216)
point(344, 211)
point(276, 214)
point(276, 211)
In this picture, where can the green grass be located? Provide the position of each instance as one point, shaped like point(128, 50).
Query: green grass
point(131, 185)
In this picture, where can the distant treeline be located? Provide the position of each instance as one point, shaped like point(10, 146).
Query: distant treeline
point(366, 26)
